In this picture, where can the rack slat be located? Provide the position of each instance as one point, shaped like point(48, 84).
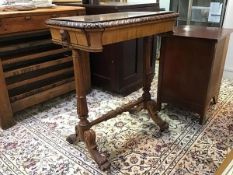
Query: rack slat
point(37, 66)
point(37, 73)
point(25, 45)
point(40, 89)
point(42, 96)
point(33, 56)
point(25, 36)
point(41, 77)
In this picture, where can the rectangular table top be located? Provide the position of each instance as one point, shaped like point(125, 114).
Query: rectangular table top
point(110, 19)
point(91, 32)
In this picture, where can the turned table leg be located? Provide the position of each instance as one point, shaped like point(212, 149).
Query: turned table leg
point(148, 75)
point(82, 130)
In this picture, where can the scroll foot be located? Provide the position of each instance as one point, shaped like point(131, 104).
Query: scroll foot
point(152, 109)
point(74, 138)
point(90, 140)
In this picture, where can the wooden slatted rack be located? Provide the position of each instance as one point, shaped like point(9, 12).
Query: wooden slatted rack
point(32, 68)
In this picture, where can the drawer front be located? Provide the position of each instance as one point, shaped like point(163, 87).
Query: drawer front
point(27, 23)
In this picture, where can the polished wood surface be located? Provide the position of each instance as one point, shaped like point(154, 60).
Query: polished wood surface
point(76, 30)
point(191, 67)
point(33, 69)
point(211, 33)
point(110, 4)
point(94, 35)
point(111, 7)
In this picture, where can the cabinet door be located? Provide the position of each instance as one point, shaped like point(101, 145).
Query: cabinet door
point(119, 67)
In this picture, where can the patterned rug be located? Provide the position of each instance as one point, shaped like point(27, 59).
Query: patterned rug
point(132, 143)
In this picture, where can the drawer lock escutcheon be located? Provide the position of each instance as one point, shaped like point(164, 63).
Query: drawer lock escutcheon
point(65, 36)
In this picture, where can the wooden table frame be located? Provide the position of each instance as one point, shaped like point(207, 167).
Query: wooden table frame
point(87, 38)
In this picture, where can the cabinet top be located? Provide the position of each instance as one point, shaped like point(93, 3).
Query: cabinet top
point(41, 11)
point(212, 33)
point(116, 5)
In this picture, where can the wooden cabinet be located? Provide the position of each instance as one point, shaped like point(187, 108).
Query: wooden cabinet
point(118, 68)
point(32, 68)
point(112, 7)
point(191, 67)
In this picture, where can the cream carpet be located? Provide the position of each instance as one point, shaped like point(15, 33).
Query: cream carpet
point(132, 143)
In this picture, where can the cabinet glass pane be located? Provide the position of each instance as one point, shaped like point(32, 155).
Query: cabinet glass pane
point(199, 12)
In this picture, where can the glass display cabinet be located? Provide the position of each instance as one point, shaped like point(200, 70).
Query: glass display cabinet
point(199, 12)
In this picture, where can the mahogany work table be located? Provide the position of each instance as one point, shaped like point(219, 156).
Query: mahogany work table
point(89, 34)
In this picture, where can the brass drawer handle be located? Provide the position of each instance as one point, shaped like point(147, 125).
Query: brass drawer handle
point(27, 17)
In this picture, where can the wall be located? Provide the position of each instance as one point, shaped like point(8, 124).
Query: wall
point(164, 4)
point(228, 23)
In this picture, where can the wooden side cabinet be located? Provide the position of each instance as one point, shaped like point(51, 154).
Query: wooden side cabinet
point(191, 67)
point(32, 68)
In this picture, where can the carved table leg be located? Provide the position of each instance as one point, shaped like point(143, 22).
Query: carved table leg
point(152, 109)
point(82, 130)
point(79, 62)
point(148, 75)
